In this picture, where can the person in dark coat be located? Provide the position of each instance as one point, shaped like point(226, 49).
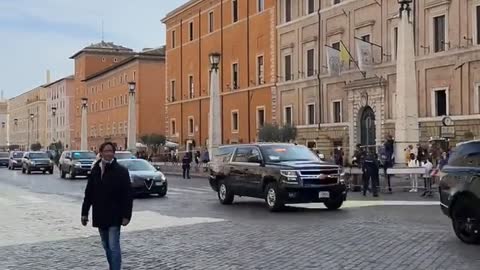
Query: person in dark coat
point(186, 165)
point(109, 193)
point(389, 159)
point(370, 170)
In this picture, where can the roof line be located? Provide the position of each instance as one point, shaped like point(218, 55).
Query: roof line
point(71, 77)
point(180, 8)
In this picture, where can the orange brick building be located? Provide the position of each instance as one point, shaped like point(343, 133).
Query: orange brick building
point(243, 32)
point(102, 75)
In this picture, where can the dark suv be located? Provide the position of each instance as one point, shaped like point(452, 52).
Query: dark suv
point(15, 160)
point(279, 173)
point(460, 191)
point(4, 159)
point(36, 161)
point(76, 163)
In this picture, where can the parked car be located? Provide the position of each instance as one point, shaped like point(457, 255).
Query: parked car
point(36, 161)
point(15, 160)
point(279, 173)
point(76, 163)
point(460, 191)
point(145, 178)
point(124, 155)
point(4, 159)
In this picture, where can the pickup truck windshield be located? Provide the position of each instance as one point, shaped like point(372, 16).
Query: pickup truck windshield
point(84, 155)
point(283, 153)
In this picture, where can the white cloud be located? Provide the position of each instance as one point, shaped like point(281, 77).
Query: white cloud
point(43, 34)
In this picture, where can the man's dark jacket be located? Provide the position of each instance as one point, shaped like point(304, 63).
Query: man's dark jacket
point(110, 197)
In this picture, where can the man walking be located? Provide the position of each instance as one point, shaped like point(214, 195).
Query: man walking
point(371, 167)
point(109, 193)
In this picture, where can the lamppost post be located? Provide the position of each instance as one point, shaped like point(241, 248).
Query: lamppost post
point(84, 127)
point(54, 123)
point(132, 118)
point(30, 127)
point(215, 125)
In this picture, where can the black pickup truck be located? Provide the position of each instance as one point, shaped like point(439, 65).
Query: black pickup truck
point(279, 173)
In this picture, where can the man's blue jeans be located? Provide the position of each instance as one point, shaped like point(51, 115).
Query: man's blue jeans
point(111, 243)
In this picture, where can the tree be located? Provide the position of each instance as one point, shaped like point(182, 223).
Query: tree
point(56, 146)
point(13, 147)
point(36, 146)
point(153, 141)
point(274, 133)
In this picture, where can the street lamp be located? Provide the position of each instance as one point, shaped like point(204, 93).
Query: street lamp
point(83, 129)
point(131, 87)
point(132, 118)
point(84, 102)
point(3, 124)
point(54, 113)
point(15, 122)
point(405, 5)
point(214, 60)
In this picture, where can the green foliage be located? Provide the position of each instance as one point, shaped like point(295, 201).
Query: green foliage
point(36, 146)
point(153, 141)
point(274, 133)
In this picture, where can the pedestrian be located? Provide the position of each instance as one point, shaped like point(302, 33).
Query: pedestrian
point(338, 156)
point(414, 163)
point(197, 157)
point(186, 165)
point(408, 151)
point(427, 178)
point(109, 193)
point(357, 160)
point(389, 159)
point(370, 171)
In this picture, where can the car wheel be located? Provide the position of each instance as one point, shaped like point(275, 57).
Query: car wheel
point(162, 194)
point(23, 170)
point(72, 174)
point(29, 171)
point(464, 217)
point(273, 197)
point(334, 204)
point(225, 196)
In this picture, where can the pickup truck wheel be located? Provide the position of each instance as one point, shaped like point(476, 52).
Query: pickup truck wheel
point(29, 171)
point(62, 173)
point(466, 220)
point(225, 196)
point(23, 170)
point(334, 204)
point(273, 198)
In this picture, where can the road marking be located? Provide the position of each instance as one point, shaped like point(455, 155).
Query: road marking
point(357, 204)
point(187, 190)
point(201, 189)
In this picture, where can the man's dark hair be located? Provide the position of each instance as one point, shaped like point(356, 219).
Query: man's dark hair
point(102, 146)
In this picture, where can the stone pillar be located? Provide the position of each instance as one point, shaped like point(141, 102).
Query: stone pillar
point(214, 121)
point(84, 129)
point(406, 121)
point(132, 123)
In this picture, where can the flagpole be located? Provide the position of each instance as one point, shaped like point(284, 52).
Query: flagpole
point(356, 63)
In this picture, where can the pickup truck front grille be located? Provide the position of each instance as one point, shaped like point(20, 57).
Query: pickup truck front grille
point(318, 177)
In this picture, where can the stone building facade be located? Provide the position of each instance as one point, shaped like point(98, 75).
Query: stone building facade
point(361, 109)
point(4, 136)
point(243, 32)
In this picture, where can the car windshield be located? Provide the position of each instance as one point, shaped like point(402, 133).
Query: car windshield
point(18, 154)
point(137, 165)
point(282, 153)
point(84, 155)
point(4, 154)
point(124, 155)
point(38, 155)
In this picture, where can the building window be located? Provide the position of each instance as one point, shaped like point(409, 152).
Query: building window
point(235, 121)
point(109, 103)
point(439, 33)
point(287, 115)
point(173, 39)
point(260, 70)
point(336, 46)
point(310, 62)
point(190, 31)
point(115, 60)
point(288, 68)
point(191, 87)
point(260, 117)
point(172, 91)
point(440, 102)
point(337, 111)
point(101, 105)
point(310, 114)
point(115, 102)
point(121, 100)
point(366, 38)
point(395, 42)
point(125, 127)
point(288, 10)
point(235, 10)
point(114, 129)
point(235, 76)
point(310, 6)
point(260, 5)
point(210, 22)
point(173, 127)
point(477, 23)
point(191, 125)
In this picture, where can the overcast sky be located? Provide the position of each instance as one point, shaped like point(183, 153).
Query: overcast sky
point(42, 34)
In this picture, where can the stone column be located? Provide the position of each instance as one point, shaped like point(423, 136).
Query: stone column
point(214, 121)
point(132, 123)
point(406, 122)
point(84, 127)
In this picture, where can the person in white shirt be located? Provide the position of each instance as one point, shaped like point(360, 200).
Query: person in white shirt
point(428, 165)
point(413, 163)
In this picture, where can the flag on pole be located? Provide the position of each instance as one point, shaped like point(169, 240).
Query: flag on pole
point(344, 55)
point(334, 62)
point(364, 54)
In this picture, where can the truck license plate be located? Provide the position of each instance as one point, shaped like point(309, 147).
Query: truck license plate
point(323, 194)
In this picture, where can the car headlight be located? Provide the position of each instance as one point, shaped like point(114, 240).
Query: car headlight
point(33, 163)
point(288, 173)
point(160, 176)
point(14, 161)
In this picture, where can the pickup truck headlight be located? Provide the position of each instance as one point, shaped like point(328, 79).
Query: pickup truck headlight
point(32, 163)
point(288, 173)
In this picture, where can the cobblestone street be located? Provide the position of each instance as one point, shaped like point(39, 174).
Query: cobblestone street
point(40, 229)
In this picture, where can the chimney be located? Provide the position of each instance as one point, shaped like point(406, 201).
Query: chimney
point(48, 76)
